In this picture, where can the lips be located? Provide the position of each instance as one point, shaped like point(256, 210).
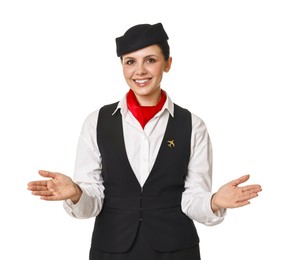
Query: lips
point(142, 82)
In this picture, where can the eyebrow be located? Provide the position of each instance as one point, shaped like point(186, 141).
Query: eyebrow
point(148, 56)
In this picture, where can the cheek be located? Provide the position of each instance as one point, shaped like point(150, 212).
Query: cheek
point(127, 73)
point(155, 68)
point(159, 72)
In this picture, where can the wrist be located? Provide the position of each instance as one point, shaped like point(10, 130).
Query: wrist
point(214, 207)
point(78, 192)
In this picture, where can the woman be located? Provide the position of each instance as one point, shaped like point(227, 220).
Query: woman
point(143, 166)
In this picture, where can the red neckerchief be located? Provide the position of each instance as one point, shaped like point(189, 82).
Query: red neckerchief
point(143, 113)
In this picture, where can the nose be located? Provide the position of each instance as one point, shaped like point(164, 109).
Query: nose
point(141, 69)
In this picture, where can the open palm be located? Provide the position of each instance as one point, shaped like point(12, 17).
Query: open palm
point(58, 187)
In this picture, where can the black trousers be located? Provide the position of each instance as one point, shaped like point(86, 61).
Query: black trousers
point(141, 250)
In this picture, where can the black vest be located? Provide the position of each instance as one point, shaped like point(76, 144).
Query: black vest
point(156, 207)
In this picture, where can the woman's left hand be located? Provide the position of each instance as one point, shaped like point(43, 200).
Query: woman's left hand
point(231, 195)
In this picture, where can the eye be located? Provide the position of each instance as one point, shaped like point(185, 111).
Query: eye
point(151, 60)
point(129, 62)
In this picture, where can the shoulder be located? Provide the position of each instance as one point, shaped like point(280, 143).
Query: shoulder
point(196, 120)
point(92, 118)
point(198, 124)
point(90, 121)
point(199, 128)
point(111, 106)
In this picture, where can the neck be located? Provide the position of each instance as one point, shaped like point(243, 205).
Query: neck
point(143, 113)
point(150, 100)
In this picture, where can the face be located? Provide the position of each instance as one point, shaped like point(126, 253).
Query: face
point(143, 71)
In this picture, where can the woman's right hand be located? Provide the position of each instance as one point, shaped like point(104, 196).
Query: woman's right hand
point(57, 187)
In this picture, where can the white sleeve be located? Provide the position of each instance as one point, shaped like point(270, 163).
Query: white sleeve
point(87, 173)
point(196, 198)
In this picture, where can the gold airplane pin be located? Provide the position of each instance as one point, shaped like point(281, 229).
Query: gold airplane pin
point(171, 143)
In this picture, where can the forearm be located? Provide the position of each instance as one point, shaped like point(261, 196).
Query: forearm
point(89, 204)
point(198, 208)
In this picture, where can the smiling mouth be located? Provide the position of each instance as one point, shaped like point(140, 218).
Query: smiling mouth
point(141, 81)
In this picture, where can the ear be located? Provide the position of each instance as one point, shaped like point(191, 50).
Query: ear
point(168, 64)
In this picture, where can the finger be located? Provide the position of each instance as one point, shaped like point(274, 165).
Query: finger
point(49, 198)
point(47, 174)
point(42, 193)
point(240, 180)
point(242, 204)
point(248, 196)
point(37, 183)
point(252, 188)
point(38, 188)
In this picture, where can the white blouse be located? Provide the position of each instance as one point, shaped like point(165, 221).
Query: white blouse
point(142, 146)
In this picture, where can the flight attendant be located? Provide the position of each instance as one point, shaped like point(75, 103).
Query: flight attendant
point(144, 165)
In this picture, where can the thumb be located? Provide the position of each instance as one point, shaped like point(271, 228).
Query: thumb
point(47, 174)
point(240, 180)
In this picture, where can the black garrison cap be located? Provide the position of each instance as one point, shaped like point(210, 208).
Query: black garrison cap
point(140, 36)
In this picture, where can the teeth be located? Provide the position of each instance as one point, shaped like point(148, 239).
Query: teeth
point(141, 81)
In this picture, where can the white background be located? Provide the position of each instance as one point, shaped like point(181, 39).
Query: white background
point(233, 65)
